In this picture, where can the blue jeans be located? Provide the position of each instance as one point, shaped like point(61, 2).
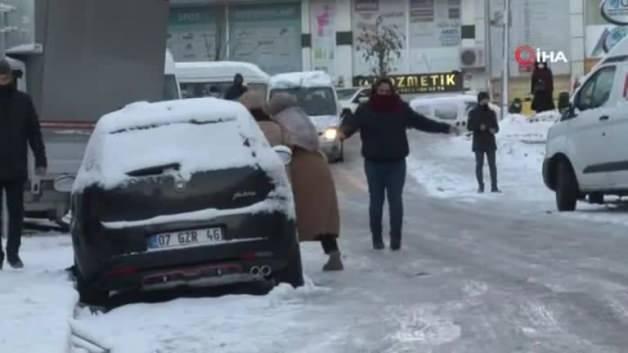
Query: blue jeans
point(386, 179)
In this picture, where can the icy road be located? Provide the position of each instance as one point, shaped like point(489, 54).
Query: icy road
point(490, 274)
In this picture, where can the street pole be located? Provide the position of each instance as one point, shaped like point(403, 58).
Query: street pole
point(505, 69)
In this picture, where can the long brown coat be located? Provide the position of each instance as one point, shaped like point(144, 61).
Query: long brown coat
point(314, 195)
point(312, 183)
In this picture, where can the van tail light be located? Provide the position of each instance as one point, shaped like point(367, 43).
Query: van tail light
point(248, 256)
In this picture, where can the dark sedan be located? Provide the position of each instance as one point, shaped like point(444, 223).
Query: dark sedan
point(184, 193)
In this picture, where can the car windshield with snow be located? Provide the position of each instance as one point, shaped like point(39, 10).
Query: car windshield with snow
point(181, 193)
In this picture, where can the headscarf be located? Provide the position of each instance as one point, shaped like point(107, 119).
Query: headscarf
point(300, 130)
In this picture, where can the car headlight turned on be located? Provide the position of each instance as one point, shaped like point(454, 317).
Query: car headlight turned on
point(330, 134)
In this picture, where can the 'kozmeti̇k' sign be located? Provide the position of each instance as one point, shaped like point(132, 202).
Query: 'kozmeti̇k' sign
point(419, 83)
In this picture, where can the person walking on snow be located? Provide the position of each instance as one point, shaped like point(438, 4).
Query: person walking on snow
point(316, 202)
point(382, 123)
point(19, 127)
point(237, 89)
point(483, 124)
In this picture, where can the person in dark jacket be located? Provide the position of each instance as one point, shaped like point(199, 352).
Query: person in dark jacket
point(483, 124)
point(542, 88)
point(382, 123)
point(19, 127)
point(237, 89)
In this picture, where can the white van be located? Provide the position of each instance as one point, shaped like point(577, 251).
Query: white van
point(586, 154)
point(213, 78)
point(316, 93)
point(172, 90)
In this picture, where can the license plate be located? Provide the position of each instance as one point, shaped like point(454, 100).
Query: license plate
point(186, 238)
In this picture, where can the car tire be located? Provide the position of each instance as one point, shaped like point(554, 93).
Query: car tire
point(293, 273)
point(566, 187)
point(88, 294)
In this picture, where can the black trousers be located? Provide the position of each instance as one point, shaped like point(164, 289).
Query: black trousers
point(329, 244)
point(14, 191)
point(479, 167)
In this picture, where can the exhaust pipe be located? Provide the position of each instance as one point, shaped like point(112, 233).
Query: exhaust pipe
point(255, 271)
point(266, 271)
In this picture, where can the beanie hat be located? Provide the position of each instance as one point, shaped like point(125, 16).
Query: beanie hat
point(482, 96)
point(5, 67)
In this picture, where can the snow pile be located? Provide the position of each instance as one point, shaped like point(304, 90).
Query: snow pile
point(37, 302)
point(234, 323)
point(198, 134)
point(301, 79)
point(528, 130)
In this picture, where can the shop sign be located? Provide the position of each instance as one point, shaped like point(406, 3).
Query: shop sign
point(615, 11)
point(443, 82)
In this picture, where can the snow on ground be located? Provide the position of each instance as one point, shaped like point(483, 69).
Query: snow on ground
point(36, 302)
point(445, 167)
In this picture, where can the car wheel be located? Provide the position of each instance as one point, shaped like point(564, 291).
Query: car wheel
point(89, 294)
point(596, 198)
point(293, 273)
point(566, 187)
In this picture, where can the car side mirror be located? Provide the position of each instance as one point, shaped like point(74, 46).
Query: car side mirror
point(284, 153)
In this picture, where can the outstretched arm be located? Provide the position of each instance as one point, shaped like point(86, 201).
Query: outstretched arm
point(35, 139)
point(351, 123)
point(420, 122)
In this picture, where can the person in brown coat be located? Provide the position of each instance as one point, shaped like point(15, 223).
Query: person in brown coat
point(255, 103)
point(314, 191)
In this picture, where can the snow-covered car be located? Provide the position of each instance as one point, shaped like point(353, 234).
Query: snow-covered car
point(181, 193)
point(450, 109)
point(316, 94)
point(585, 150)
point(350, 98)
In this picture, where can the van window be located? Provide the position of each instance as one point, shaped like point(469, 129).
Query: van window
point(446, 111)
point(423, 110)
point(597, 90)
point(315, 101)
point(215, 89)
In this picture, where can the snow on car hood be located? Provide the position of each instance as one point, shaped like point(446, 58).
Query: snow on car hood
point(198, 134)
point(324, 122)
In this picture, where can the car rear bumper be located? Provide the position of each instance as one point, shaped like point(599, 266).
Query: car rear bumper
point(118, 259)
point(193, 267)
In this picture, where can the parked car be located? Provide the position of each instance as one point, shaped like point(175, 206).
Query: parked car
point(181, 193)
point(450, 109)
point(586, 155)
point(316, 94)
point(350, 98)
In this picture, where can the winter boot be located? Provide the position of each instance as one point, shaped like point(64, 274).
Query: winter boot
point(480, 189)
point(334, 263)
point(379, 246)
point(1, 260)
point(495, 189)
point(15, 262)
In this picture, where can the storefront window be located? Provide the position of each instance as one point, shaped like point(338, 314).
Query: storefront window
point(20, 24)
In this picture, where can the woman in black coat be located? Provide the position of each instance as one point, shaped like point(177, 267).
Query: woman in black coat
point(542, 88)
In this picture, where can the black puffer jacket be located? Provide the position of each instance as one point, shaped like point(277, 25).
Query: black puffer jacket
point(383, 129)
point(483, 140)
point(19, 127)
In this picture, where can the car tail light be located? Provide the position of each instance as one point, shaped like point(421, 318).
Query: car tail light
point(122, 271)
point(248, 256)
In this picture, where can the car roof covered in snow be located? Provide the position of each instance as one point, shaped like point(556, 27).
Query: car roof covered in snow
point(144, 114)
point(219, 71)
point(301, 79)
